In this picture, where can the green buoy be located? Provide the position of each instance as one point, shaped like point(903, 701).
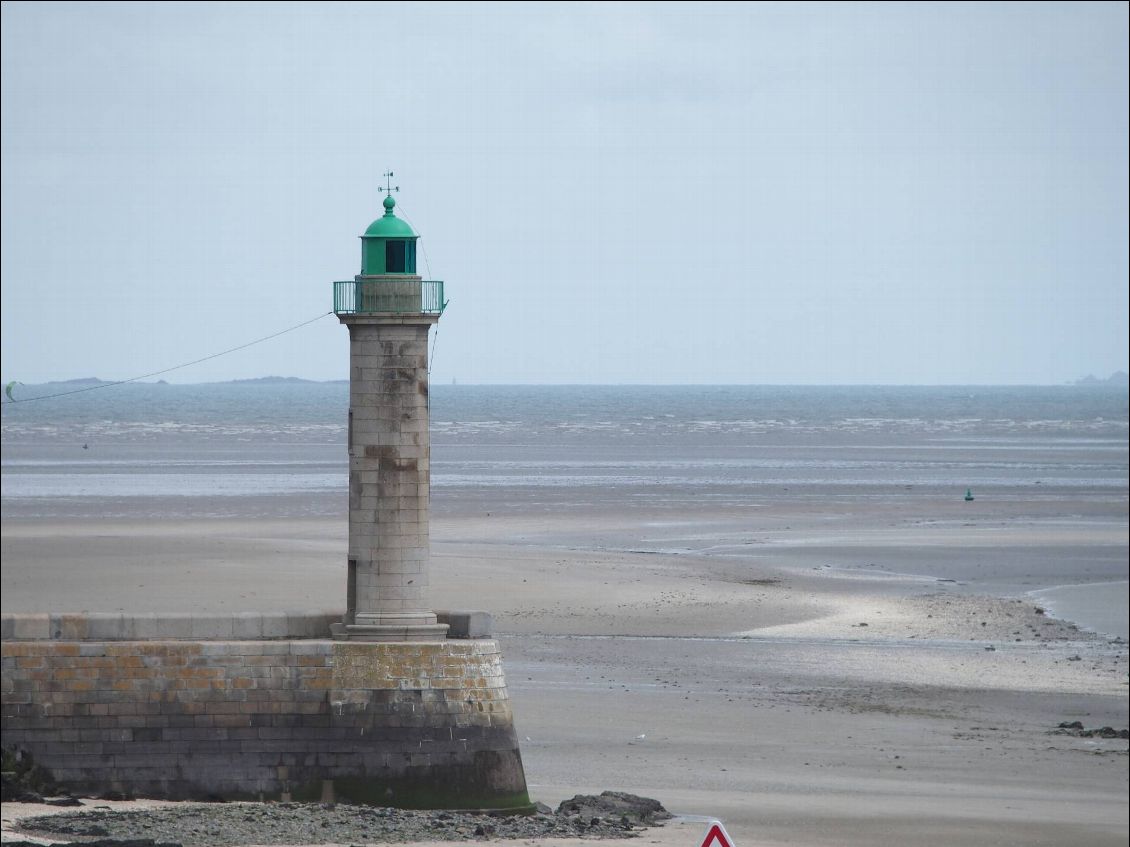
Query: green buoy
point(969, 494)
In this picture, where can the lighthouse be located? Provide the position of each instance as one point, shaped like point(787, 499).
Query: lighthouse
point(419, 698)
point(389, 310)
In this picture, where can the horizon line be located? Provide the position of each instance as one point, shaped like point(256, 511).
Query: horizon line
point(1089, 380)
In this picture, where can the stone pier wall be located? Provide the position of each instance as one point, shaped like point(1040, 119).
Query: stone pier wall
point(424, 725)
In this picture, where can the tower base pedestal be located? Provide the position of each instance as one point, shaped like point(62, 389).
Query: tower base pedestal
point(384, 632)
point(412, 626)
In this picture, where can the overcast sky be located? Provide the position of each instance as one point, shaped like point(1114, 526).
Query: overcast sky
point(667, 193)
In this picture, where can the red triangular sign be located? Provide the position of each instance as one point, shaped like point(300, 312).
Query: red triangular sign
point(717, 834)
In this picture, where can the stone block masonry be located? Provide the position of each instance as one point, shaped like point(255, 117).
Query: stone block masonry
point(418, 725)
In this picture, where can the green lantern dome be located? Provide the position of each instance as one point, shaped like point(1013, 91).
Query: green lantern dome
point(389, 226)
point(388, 245)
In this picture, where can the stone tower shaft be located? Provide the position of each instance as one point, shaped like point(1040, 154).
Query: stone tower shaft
point(389, 453)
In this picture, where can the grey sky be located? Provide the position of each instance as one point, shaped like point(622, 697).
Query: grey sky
point(613, 193)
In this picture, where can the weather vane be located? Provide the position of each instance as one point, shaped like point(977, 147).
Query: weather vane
point(389, 187)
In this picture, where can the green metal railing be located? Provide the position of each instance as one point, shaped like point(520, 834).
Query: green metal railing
point(397, 297)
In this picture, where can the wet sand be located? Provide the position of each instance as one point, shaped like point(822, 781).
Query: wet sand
point(814, 670)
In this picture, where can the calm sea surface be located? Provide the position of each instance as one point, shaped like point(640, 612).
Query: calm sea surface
point(241, 439)
point(245, 450)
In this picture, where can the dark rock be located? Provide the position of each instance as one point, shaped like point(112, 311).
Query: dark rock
point(61, 801)
point(1076, 728)
point(615, 804)
point(1111, 732)
point(12, 793)
point(22, 780)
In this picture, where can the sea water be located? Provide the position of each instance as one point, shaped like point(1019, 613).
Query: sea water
point(277, 449)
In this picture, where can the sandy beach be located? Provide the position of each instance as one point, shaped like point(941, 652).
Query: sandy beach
point(818, 670)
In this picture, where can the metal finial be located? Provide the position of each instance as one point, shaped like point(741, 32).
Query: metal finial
point(389, 187)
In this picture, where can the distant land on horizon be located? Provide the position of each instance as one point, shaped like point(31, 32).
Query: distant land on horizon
point(258, 380)
point(1118, 378)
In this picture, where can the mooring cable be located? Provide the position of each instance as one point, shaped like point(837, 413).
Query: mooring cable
point(168, 370)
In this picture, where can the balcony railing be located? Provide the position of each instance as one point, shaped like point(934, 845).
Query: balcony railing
point(396, 297)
